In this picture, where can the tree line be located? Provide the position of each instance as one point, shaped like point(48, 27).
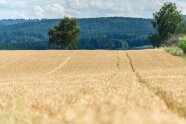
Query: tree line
point(168, 21)
point(95, 33)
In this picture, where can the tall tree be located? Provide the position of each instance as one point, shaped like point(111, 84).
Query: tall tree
point(65, 34)
point(166, 22)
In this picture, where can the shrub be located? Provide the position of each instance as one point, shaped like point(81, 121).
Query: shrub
point(172, 41)
point(176, 51)
point(155, 40)
point(182, 43)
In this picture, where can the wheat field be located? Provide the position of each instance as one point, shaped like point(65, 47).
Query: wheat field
point(92, 87)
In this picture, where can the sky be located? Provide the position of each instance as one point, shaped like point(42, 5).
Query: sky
point(15, 9)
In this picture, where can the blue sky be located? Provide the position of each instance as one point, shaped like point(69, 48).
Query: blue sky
point(82, 8)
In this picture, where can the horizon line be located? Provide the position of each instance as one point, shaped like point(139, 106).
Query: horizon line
point(74, 17)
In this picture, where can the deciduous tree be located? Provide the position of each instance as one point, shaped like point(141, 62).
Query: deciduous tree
point(166, 22)
point(65, 34)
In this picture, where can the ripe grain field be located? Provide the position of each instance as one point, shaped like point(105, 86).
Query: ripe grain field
point(92, 87)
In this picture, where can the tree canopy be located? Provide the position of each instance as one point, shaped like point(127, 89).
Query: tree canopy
point(96, 33)
point(167, 22)
point(65, 34)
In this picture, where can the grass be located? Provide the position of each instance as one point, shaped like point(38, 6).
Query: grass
point(184, 57)
point(175, 51)
point(141, 47)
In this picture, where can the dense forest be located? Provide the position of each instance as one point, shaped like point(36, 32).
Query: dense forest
point(96, 33)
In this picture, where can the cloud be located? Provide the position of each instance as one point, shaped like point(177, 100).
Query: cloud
point(49, 11)
point(3, 2)
point(137, 8)
point(13, 15)
point(82, 8)
point(39, 11)
point(76, 4)
point(13, 3)
point(182, 6)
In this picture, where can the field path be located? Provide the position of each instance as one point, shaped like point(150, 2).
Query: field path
point(95, 87)
point(60, 66)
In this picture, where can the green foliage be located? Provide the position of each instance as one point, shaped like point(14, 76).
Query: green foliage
point(182, 43)
point(155, 40)
point(168, 21)
point(96, 33)
point(142, 47)
point(184, 57)
point(124, 45)
point(176, 51)
point(24, 46)
point(65, 34)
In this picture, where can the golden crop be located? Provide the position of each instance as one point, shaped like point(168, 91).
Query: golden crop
point(92, 87)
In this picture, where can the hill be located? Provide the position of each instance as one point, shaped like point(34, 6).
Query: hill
point(96, 33)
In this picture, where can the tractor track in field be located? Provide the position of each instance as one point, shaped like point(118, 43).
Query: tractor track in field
point(130, 60)
point(61, 65)
point(118, 62)
point(92, 87)
point(172, 105)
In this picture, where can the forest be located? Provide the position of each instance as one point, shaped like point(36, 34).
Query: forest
point(96, 33)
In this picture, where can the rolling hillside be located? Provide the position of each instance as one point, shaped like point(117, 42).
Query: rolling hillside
point(96, 33)
point(92, 87)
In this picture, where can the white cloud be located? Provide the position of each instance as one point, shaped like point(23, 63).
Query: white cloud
point(50, 11)
point(82, 8)
point(39, 11)
point(182, 6)
point(19, 3)
point(137, 8)
point(13, 3)
point(13, 15)
point(76, 4)
point(3, 2)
